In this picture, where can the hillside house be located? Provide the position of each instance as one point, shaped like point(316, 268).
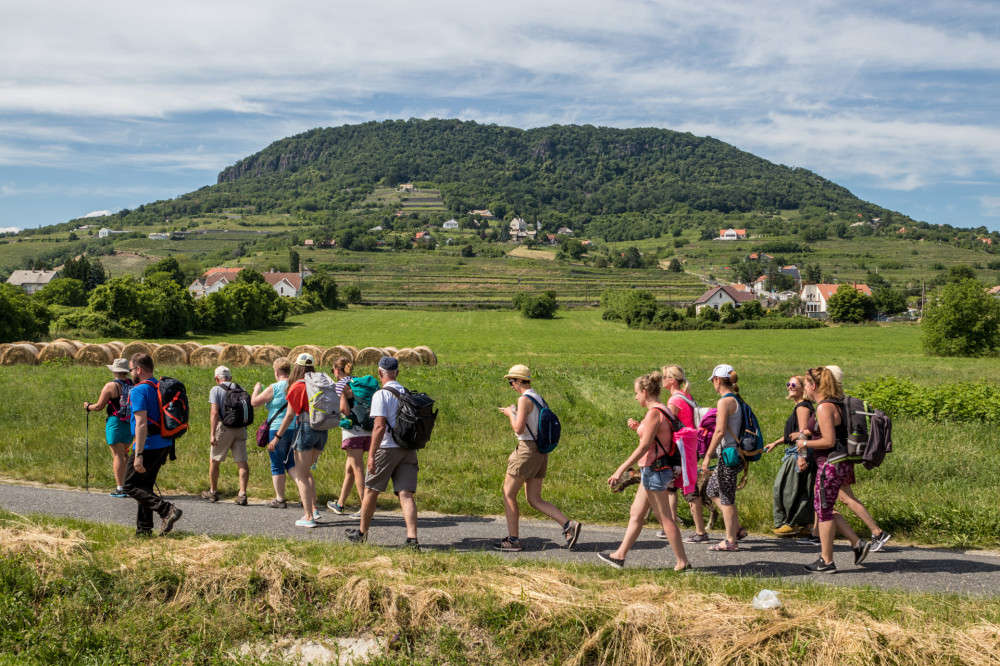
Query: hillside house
point(565, 231)
point(794, 272)
point(286, 284)
point(717, 296)
point(450, 224)
point(551, 238)
point(757, 288)
point(732, 234)
point(815, 297)
point(406, 187)
point(517, 225)
point(31, 281)
point(214, 279)
point(159, 236)
point(994, 292)
point(105, 232)
point(484, 213)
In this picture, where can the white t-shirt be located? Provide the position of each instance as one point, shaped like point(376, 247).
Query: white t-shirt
point(385, 404)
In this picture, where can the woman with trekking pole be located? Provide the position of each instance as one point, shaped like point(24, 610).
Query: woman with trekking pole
point(117, 433)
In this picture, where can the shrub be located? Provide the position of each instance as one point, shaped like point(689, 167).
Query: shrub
point(964, 321)
point(850, 306)
point(352, 293)
point(536, 306)
point(962, 401)
point(631, 306)
point(23, 318)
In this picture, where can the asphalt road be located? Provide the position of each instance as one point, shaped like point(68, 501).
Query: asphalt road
point(896, 567)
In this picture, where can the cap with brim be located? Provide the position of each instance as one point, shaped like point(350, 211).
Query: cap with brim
point(305, 359)
point(519, 372)
point(838, 374)
point(722, 370)
point(119, 365)
point(222, 371)
point(388, 363)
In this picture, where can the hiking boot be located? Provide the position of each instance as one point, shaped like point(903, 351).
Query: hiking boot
point(354, 535)
point(880, 540)
point(861, 551)
point(210, 495)
point(335, 507)
point(613, 561)
point(412, 543)
point(809, 541)
point(241, 500)
point(819, 566)
point(119, 493)
point(508, 546)
point(572, 533)
point(278, 504)
point(168, 522)
point(696, 538)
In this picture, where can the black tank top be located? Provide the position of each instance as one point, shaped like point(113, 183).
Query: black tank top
point(839, 432)
point(115, 404)
point(792, 424)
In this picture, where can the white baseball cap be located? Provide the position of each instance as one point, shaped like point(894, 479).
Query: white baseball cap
point(722, 370)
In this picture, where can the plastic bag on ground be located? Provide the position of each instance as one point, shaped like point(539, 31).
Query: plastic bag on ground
point(766, 600)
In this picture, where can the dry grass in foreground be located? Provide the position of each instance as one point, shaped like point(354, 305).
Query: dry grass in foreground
point(447, 608)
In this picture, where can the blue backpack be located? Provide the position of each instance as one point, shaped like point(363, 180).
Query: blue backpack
point(750, 439)
point(549, 428)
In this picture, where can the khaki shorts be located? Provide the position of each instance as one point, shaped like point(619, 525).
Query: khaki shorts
point(227, 438)
point(396, 465)
point(526, 462)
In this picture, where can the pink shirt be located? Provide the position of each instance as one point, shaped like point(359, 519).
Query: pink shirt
point(665, 439)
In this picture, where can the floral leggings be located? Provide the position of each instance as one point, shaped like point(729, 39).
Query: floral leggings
point(829, 479)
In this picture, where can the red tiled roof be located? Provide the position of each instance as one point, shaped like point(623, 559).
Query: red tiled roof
point(294, 279)
point(738, 296)
point(828, 290)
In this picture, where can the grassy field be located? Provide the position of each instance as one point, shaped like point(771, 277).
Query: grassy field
point(585, 367)
point(73, 592)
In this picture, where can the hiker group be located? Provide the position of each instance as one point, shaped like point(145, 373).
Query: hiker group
point(683, 450)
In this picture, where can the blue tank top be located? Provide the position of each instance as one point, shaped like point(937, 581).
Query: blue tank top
point(277, 405)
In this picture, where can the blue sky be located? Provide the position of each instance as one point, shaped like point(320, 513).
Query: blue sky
point(105, 105)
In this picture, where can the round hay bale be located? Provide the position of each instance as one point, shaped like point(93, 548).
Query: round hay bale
point(170, 355)
point(369, 356)
point(234, 356)
point(40, 346)
point(266, 355)
point(57, 350)
point(94, 355)
point(116, 346)
point(205, 356)
point(335, 352)
point(189, 346)
point(284, 350)
point(317, 352)
point(430, 358)
point(20, 354)
point(77, 343)
point(4, 346)
point(135, 347)
point(409, 357)
point(153, 346)
point(390, 351)
point(354, 350)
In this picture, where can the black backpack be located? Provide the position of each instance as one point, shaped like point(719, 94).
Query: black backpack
point(236, 412)
point(414, 419)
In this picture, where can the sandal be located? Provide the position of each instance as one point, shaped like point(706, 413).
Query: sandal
point(742, 534)
point(724, 546)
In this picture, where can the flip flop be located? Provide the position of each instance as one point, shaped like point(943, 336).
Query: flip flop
point(724, 546)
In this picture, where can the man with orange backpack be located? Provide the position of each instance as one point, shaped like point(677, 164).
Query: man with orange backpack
point(150, 449)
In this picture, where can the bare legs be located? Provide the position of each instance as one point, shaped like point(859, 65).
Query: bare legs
point(533, 492)
point(352, 475)
point(637, 516)
point(302, 473)
point(119, 460)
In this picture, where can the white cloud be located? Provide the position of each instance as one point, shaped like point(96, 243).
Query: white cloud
point(9, 230)
point(98, 213)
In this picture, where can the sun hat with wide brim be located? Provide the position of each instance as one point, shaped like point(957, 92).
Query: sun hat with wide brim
point(119, 365)
point(519, 372)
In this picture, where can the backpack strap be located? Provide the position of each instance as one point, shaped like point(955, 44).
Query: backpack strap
point(398, 407)
point(674, 423)
point(540, 406)
point(271, 420)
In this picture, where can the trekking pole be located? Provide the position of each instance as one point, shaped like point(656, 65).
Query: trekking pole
point(86, 481)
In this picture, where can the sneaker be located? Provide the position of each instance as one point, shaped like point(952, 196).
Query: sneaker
point(696, 538)
point(880, 540)
point(613, 561)
point(336, 508)
point(809, 541)
point(278, 504)
point(305, 522)
point(819, 566)
point(119, 493)
point(861, 551)
point(356, 515)
point(785, 530)
point(355, 535)
point(411, 543)
point(508, 546)
point(240, 500)
point(572, 533)
point(168, 522)
point(660, 534)
point(316, 514)
point(210, 495)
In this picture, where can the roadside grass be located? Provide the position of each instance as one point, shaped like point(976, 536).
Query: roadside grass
point(78, 592)
point(935, 488)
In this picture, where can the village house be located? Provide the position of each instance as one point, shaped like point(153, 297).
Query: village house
point(484, 213)
point(732, 234)
point(450, 224)
point(815, 297)
point(105, 232)
point(214, 279)
point(717, 296)
point(159, 236)
point(31, 281)
point(994, 292)
point(565, 231)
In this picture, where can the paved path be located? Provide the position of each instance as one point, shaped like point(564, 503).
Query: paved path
point(903, 567)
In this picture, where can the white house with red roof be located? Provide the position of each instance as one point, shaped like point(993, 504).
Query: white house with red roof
point(732, 234)
point(214, 279)
point(815, 297)
point(717, 296)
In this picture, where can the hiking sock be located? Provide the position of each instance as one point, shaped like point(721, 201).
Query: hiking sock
point(566, 526)
point(512, 539)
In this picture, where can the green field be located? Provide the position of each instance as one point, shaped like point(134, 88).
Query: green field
point(585, 367)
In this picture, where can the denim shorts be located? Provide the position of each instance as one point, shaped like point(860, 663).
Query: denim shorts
point(309, 439)
point(282, 459)
point(654, 481)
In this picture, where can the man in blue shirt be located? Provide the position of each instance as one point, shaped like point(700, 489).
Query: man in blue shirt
point(150, 450)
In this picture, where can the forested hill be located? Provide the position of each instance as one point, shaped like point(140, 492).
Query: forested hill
point(568, 169)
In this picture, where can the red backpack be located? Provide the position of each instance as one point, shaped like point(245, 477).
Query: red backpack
point(171, 420)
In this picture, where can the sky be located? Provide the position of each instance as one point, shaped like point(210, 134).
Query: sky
point(107, 105)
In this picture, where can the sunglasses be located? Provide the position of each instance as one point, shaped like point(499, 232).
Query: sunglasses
point(792, 385)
